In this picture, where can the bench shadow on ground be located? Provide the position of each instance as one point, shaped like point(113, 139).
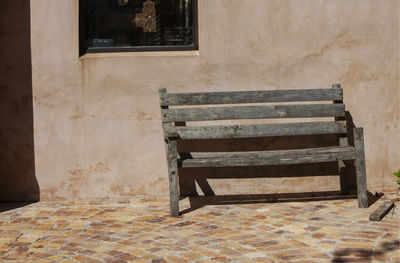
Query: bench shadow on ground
point(194, 182)
point(363, 254)
point(197, 202)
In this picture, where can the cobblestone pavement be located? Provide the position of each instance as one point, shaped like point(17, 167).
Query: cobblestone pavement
point(140, 230)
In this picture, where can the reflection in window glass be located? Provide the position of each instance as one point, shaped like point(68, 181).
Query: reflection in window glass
point(120, 24)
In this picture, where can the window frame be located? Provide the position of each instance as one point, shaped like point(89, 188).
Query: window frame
point(193, 47)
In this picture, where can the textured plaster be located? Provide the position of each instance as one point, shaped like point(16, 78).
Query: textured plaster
point(97, 119)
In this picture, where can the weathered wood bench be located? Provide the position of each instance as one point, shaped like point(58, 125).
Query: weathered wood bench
point(174, 125)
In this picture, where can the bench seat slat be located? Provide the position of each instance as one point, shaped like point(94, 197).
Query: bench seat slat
point(258, 130)
point(203, 98)
point(253, 112)
point(311, 155)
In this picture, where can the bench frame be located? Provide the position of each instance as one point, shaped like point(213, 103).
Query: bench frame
point(179, 117)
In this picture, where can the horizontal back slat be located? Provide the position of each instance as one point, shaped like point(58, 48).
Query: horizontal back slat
point(273, 153)
point(313, 155)
point(252, 112)
point(203, 98)
point(258, 130)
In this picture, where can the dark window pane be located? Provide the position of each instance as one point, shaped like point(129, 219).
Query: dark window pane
point(113, 24)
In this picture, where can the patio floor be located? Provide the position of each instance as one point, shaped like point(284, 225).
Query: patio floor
point(140, 230)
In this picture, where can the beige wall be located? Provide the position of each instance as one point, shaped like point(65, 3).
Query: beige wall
point(97, 121)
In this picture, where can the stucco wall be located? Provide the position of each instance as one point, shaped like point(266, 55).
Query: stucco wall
point(97, 120)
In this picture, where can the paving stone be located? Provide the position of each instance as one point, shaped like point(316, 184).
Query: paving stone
point(288, 255)
point(140, 230)
point(177, 259)
point(191, 256)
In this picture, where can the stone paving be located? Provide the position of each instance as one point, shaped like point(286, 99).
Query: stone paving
point(140, 230)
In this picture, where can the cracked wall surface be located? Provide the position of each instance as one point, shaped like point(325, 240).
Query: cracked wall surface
point(97, 119)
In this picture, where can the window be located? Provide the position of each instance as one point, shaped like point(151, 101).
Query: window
point(137, 25)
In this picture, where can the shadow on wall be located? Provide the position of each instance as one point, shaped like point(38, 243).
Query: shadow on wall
point(190, 177)
point(17, 166)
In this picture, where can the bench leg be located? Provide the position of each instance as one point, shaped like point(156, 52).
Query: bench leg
point(172, 154)
point(343, 167)
point(344, 184)
point(360, 168)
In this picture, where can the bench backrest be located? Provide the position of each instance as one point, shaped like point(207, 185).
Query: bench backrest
point(227, 106)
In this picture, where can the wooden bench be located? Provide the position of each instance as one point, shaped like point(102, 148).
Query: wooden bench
point(330, 105)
